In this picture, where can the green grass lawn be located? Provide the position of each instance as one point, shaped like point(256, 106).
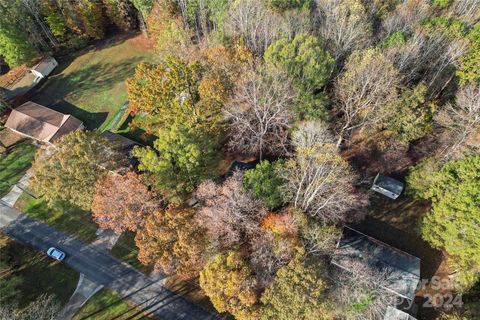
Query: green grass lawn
point(14, 165)
point(34, 272)
point(126, 250)
point(72, 221)
point(106, 305)
point(91, 86)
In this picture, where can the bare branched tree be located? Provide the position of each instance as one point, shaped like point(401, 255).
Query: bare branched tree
point(321, 240)
point(260, 115)
point(227, 213)
point(270, 253)
point(430, 58)
point(468, 10)
point(365, 285)
point(344, 25)
point(406, 15)
point(319, 180)
point(252, 21)
point(363, 91)
point(461, 122)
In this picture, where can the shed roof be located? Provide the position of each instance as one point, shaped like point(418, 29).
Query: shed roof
point(122, 143)
point(403, 268)
point(45, 66)
point(395, 314)
point(41, 123)
point(388, 183)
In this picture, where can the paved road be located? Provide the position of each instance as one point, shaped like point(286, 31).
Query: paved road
point(98, 265)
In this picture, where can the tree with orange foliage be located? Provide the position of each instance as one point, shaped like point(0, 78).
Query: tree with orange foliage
point(172, 241)
point(122, 202)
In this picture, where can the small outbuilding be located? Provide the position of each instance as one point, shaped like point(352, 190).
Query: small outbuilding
point(44, 68)
point(395, 314)
point(41, 123)
point(403, 268)
point(387, 186)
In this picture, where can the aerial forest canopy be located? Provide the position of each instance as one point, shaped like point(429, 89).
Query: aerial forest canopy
point(321, 94)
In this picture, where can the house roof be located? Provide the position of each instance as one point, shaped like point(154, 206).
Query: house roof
point(41, 123)
point(395, 314)
point(389, 184)
point(403, 269)
point(122, 143)
point(45, 66)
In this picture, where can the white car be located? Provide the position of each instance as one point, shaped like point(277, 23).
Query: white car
point(56, 254)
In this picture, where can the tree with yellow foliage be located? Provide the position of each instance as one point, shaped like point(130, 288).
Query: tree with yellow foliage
point(228, 282)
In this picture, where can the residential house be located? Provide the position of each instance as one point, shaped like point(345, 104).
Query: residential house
point(41, 123)
point(403, 269)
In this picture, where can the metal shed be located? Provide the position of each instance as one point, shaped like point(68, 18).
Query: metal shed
point(387, 186)
point(44, 68)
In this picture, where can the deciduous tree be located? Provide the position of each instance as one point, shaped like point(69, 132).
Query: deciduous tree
point(169, 93)
point(406, 16)
point(15, 45)
point(172, 241)
point(259, 114)
point(259, 26)
point(368, 84)
point(298, 292)
point(121, 13)
point(230, 215)
point(319, 180)
point(469, 68)
point(91, 16)
point(461, 122)
point(228, 282)
point(344, 25)
point(412, 114)
point(122, 202)
point(359, 291)
point(180, 159)
point(68, 171)
point(430, 55)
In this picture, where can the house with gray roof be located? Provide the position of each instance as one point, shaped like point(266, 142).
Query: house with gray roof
point(403, 268)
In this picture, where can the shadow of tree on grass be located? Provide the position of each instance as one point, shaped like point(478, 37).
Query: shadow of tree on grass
point(94, 88)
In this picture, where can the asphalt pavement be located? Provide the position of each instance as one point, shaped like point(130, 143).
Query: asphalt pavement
point(101, 267)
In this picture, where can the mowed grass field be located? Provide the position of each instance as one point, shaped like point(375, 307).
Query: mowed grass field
point(91, 85)
point(62, 216)
point(107, 305)
point(26, 274)
point(14, 164)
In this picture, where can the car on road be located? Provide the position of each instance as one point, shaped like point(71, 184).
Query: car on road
point(56, 254)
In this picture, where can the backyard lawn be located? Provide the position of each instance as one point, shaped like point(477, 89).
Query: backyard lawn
point(14, 164)
point(71, 220)
point(34, 273)
point(91, 85)
point(107, 305)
